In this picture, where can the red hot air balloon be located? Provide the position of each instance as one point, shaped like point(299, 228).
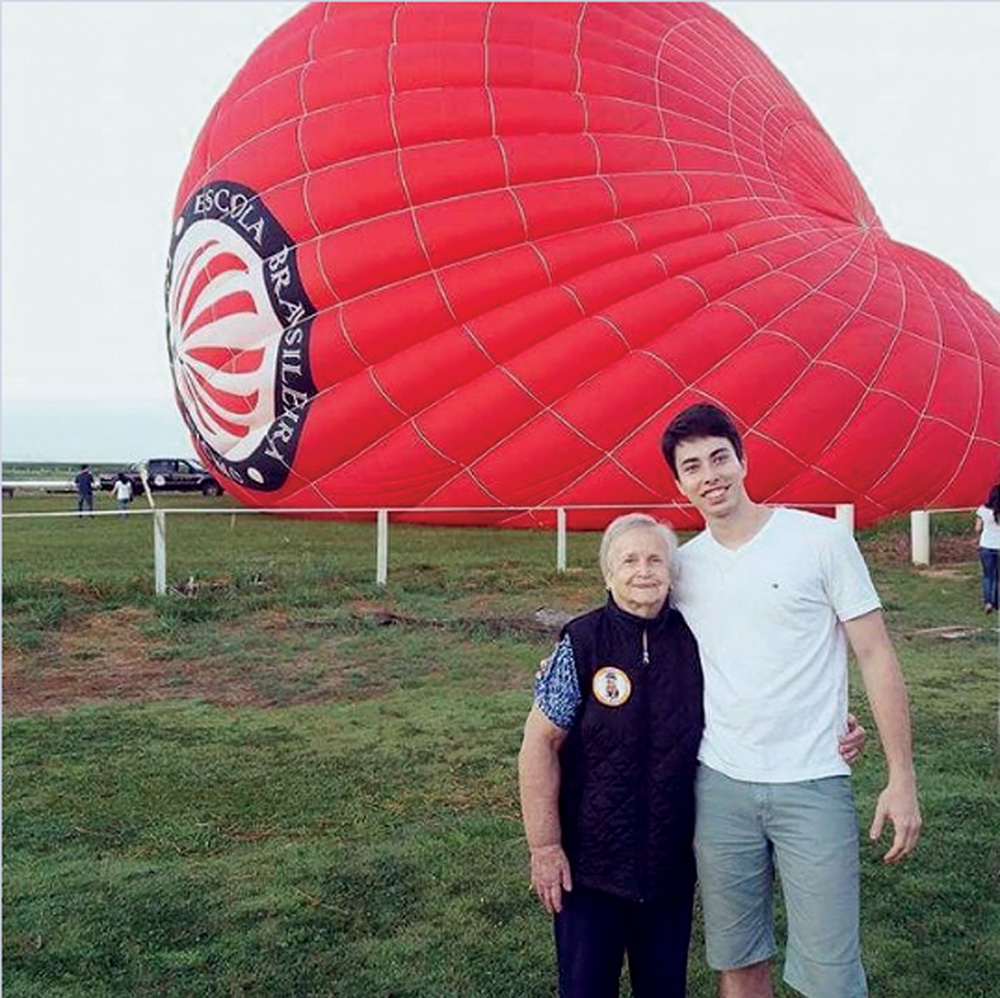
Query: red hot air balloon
point(478, 255)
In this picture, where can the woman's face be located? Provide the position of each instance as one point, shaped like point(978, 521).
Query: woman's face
point(639, 571)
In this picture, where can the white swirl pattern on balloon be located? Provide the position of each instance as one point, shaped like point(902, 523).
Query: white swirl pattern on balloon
point(224, 338)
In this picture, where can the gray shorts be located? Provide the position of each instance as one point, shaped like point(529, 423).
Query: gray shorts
point(808, 833)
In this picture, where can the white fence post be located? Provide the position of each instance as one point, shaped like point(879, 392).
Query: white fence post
point(159, 552)
point(920, 536)
point(845, 514)
point(382, 548)
point(560, 539)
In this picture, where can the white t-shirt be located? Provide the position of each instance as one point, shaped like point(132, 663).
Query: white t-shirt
point(774, 654)
point(123, 490)
point(990, 537)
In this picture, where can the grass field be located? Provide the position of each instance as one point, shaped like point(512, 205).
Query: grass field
point(282, 781)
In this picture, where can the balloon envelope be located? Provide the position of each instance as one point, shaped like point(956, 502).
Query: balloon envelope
point(478, 255)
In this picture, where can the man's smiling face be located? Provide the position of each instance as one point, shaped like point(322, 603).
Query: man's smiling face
point(711, 476)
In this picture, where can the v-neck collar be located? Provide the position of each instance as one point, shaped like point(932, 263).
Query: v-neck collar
point(732, 553)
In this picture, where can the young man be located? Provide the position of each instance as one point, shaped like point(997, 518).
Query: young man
point(773, 596)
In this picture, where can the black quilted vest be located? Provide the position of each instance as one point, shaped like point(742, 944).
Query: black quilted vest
point(627, 772)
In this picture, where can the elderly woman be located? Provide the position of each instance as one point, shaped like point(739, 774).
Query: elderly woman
point(607, 772)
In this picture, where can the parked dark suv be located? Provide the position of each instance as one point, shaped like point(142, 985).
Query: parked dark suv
point(168, 474)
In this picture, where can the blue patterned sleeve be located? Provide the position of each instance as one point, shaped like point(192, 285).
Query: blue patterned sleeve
point(557, 690)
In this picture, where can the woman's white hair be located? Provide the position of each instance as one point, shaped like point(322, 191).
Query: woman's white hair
point(630, 521)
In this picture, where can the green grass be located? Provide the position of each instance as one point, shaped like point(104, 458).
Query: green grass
point(352, 828)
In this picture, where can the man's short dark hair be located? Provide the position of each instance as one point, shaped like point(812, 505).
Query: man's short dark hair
point(695, 423)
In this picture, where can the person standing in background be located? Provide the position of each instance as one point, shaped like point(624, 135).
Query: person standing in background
point(988, 528)
point(122, 490)
point(84, 482)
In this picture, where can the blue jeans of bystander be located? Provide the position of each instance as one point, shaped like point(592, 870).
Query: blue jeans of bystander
point(990, 560)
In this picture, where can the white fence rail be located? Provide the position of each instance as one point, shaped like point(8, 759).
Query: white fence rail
point(843, 513)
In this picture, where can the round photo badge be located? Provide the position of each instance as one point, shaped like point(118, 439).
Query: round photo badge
point(611, 686)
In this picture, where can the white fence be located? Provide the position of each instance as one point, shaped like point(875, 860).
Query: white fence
point(920, 526)
point(843, 512)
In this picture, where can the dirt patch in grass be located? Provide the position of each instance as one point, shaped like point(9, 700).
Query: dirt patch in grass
point(942, 573)
point(945, 549)
point(953, 550)
point(103, 658)
point(107, 658)
point(482, 615)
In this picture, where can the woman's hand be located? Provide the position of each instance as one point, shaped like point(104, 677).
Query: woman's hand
point(550, 876)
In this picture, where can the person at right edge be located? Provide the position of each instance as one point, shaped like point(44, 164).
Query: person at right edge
point(988, 528)
point(774, 596)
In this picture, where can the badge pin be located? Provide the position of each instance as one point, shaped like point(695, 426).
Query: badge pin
point(611, 686)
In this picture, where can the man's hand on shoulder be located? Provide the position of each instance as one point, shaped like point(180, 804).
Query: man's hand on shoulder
point(851, 743)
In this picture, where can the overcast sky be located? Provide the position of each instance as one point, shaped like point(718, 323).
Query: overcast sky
point(101, 104)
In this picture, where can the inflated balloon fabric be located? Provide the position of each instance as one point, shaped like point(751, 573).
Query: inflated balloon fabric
point(478, 255)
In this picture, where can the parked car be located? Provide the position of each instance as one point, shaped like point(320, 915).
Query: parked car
point(167, 474)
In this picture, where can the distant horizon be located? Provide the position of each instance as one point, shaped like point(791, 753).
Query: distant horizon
point(105, 432)
point(57, 463)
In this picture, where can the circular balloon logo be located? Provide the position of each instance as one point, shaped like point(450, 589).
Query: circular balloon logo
point(238, 326)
